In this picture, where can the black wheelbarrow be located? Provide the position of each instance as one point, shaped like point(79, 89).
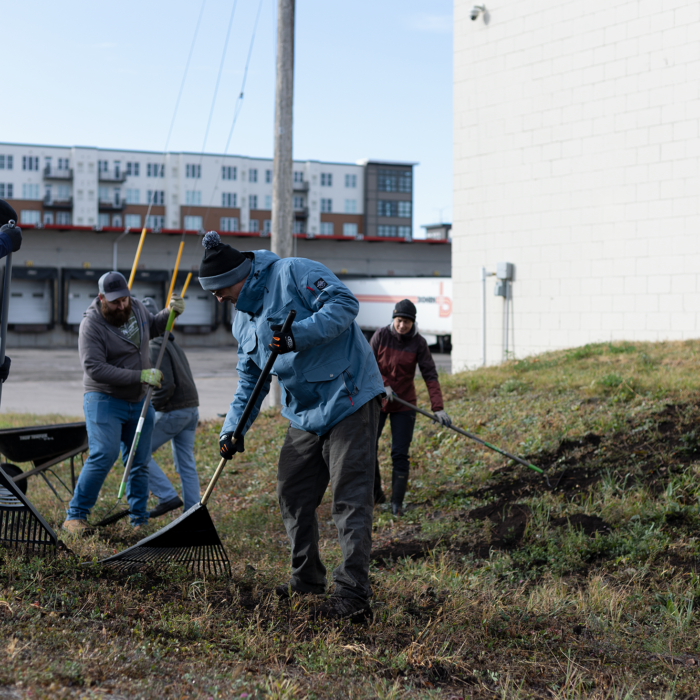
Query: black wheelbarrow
point(45, 446)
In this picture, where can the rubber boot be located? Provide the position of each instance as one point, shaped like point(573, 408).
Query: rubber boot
point(399, 484)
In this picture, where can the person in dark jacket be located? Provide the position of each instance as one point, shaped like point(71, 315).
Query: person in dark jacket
point(398, 348)
point(10, 240)
point(176, 404)
point(113, 346)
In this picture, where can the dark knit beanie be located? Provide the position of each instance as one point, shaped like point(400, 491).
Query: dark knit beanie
point(405, 309)
point(222, 265)
point(6, 213)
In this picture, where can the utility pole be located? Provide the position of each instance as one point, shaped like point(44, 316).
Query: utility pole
point(282, 209)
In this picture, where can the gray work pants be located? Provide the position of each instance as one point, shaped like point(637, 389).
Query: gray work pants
point(345, 456)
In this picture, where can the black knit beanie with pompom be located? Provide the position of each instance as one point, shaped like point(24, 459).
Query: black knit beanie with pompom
point(222, 265)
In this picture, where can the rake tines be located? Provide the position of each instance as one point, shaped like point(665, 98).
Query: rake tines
point(191, 541)
point(21, 525)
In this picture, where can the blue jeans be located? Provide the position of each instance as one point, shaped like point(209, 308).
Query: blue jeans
point(179, 427)
point(111, 424)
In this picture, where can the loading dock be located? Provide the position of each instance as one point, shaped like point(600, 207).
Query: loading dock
point(34, 299)
point(201, 313)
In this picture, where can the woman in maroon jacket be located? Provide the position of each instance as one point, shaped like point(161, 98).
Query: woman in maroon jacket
point(398, 349)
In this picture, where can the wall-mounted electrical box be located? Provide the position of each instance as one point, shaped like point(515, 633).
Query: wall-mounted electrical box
point(505, 271)
point(500, 289)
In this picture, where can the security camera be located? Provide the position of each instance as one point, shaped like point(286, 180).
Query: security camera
point(476, 11)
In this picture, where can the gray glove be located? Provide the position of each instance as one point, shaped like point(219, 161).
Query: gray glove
point(389, 393)
point(443, 418)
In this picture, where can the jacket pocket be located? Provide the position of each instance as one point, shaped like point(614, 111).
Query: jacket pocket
point(327, 371)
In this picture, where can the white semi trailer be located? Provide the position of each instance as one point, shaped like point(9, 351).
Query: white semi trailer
point(431, 295)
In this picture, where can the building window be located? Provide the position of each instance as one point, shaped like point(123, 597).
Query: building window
point(155, 170)
point(132, 168)
point(117, 221)
point(298, 203)
point(268, 176)
point(326, 228)
point(133, 220)
point(267, 226)
point(102, 166)
point(326, 206)
point(387, 231)
point(63, 193)
point(193, 197)
point(254, 225)
point(193, 171)
point(117, 167)
point(102, 194)
point(299, 226)
point(103, 220)
point(155, 222)
point(30, 191)
point(30, 216)
point(351, 180)
point(6, 162)
point(228, 223)
point(229, 172)
point(253, 175)
point(350, 230)
point(298, 176)
point(30, 162)
point(193, 223)
point(63, 218)
point(404, 232)
point(48, 217)
point(351, 206)
point(387, 207)
point(405, 181)
point(155, 196)
point(117, 196)
point(6, 189)
point(326, 179)
point(268, 201)
point(405, 210)
point(229, 199)
point(253, 200)
point(387, 181)
point(63, 164)
point(134, 196)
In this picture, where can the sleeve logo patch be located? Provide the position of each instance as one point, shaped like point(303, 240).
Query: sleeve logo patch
point(320, 283)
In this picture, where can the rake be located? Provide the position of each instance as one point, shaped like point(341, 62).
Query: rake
point(191, 540)
point(471, 436)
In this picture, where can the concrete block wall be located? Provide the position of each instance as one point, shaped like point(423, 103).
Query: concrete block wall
point(577, 157)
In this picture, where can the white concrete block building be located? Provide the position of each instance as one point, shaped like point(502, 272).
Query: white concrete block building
point(577, 158)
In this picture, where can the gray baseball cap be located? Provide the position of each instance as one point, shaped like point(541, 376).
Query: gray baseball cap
point(112, 285)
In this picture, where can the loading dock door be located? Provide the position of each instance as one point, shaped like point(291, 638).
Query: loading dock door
point(31, 302)
point(141, 290)
point(200, 307)
point(81, 293)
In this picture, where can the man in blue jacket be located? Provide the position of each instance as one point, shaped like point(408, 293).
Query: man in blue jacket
point(330, 384)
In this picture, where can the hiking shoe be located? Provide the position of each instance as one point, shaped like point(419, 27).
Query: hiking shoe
point(379, 497)
point(338, 608)
point(163, 508)
point(284, 592)
point(79, 528)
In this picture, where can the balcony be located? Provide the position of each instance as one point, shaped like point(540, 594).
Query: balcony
point(54, 174)
point(106, 207)
point(112, 176)
point(301, 186)
point(301, 213)
point(59, 204)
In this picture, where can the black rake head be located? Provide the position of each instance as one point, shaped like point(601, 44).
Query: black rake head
point(190, 541)
point(21, 525)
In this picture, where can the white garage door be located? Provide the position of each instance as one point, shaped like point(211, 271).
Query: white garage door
point(30, 302)
point(81, 294)
point(199, 308)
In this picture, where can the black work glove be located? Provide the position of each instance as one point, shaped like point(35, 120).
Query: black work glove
point(15, 234)
point(227, 447)
point(5, 369)
point(282, 342)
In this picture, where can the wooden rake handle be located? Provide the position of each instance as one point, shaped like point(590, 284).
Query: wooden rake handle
point(249, 406)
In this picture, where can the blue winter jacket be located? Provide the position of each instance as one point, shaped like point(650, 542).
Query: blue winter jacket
point(333, 371)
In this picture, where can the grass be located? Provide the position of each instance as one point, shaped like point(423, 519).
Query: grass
point(490, 586)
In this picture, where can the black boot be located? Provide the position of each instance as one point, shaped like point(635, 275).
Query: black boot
point(399, 484)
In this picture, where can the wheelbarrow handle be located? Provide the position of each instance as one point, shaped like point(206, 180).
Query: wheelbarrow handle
point(250, 405)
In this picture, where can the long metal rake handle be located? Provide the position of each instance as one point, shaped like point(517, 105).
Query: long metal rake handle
point(249, 406)
point(5, 307)
point(471, 436)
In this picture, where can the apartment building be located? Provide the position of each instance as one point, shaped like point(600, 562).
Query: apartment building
point(104, 188)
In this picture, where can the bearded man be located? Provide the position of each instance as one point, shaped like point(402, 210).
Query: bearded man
point(113, 344)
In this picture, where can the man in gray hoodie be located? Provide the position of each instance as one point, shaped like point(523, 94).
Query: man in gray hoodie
point(113, 345)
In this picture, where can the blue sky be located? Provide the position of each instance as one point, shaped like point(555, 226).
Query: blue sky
point(372, 79)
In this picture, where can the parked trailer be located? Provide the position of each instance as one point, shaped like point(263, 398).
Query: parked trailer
point(431, 295)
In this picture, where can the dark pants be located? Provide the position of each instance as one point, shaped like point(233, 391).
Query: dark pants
point(345, 456)
point(402, 424)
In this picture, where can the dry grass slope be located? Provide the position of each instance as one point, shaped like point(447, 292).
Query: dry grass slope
point(491, 586)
